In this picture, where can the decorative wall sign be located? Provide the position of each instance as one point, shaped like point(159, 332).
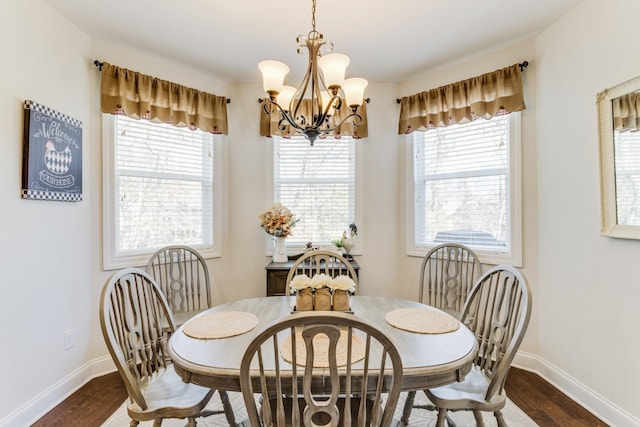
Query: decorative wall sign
point(52, 155)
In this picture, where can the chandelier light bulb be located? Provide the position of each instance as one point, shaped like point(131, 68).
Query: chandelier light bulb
point(285, 96)
point(273, 73)
point(353, 89)
point(334, 67)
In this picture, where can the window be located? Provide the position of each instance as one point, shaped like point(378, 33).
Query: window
point(161, 188)
point(319, 184)
point(465, 182)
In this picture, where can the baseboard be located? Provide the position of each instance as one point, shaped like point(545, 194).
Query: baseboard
point(607, 411)
point(33, 410)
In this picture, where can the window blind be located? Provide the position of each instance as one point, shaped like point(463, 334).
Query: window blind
point(461, 185)
point(164, 186)
point(318, 185)
point(627, 159)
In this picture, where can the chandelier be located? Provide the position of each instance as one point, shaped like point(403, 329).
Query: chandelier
point(311, 109)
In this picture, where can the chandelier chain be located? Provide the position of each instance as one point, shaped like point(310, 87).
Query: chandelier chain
point(313, 15)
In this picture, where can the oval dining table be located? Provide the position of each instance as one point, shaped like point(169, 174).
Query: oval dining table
point(428, 360)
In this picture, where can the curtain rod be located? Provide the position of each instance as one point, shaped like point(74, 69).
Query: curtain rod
point(99, 65)
point(522, 66)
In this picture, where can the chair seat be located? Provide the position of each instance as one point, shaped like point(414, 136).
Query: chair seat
point(467, 394)
point(167, 390)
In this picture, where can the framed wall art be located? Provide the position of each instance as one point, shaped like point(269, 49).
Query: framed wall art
point(52, 155)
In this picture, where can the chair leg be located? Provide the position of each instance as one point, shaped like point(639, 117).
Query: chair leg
point(450, 421)
point(442, 416)
point(228, 409)
point(191, 422)
point(157, 422)
point(408, 405)
point(500, 419)
point(134, 423)
point(478, 416)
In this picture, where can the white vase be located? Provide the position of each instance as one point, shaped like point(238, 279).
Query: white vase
point(280, 251)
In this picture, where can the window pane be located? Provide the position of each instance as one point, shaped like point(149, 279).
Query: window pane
point(158, 212)
point(164, 186)
point(461, 184)
point(627, 156)
point(318, 185)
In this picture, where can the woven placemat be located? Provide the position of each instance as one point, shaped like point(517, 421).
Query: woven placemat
point(422, 321)
point(222, 324)
point(321, 350)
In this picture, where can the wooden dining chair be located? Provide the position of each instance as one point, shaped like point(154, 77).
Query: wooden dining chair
point(340, 358)
point(132, 310)
point(447, 274)
point(318, 261)
point(497, 312)
point(183, 276)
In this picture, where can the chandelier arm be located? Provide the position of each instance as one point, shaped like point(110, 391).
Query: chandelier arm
point(298, 97)
point(334, 99)
point(267, 103)
point(316, 94)
point(281, 123)
point(291, 122)
point(283, 116)
point(356, 122)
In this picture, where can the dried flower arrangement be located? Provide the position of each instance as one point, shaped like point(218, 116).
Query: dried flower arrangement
point(278, 221)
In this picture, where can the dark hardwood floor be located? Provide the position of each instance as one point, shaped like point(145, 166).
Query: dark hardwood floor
point(89, 406)
point(545, 404)
point(92, 404)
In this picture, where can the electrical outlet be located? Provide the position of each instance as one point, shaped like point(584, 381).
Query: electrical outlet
point(68, 339)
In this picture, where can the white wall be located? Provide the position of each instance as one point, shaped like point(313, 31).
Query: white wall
point(45, 250)
point(588, 289)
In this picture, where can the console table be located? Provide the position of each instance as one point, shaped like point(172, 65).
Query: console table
point(277, 275)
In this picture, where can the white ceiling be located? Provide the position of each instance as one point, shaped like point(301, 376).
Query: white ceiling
point(387, 41)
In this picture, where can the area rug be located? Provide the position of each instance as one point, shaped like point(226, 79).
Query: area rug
point(514, 416)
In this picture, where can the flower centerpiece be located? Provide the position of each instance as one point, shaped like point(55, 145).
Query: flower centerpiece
point(278, 222)
point(342, 287)
point(321, 283)
point(301, 285)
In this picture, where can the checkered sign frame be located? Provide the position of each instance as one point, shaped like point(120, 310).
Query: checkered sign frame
point(52, 157)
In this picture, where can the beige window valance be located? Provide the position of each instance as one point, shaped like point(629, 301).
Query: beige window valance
point(140, 96)
point(498, 92)
point(626, 112)
point(269, 123)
